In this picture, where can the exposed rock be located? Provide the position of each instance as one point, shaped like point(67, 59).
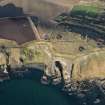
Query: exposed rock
point(44, 80)
point(90, 66)
point(97, 101)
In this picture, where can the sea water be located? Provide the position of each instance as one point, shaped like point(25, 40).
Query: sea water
point(28, 90)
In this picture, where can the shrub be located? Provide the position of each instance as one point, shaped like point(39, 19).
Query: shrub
point(85, 10)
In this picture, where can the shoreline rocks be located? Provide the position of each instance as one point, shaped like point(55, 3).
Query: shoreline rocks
point(44, 80)
point(4, 76)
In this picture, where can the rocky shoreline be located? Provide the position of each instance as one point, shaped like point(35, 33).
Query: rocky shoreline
point(79, 88)
point(7, 71)
point(88, 92)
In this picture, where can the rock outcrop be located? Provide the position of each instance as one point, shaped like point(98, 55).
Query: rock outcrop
point(89, 66)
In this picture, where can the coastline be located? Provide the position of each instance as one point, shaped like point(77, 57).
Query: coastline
point(19, 70)
point(86, 89)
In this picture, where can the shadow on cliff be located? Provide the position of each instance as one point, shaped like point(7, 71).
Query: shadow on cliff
point(10, 10)
point(32, 73)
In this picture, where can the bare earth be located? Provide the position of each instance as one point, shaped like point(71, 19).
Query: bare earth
point(17, 29)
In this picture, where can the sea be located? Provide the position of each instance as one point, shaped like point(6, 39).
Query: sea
point(26, 89)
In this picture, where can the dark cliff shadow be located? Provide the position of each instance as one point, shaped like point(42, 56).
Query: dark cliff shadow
point(32, 73)
point(10, 10)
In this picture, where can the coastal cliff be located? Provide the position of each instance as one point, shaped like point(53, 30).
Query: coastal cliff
point(80, 57)
point(89, 66)
point(79, 67)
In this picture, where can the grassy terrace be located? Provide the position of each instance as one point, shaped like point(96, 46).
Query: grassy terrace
point(85, 20)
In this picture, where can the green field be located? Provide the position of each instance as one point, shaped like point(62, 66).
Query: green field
point(89, 10)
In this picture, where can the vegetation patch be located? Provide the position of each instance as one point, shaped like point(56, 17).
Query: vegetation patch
point(87, 20)
point(86, 10)
point(80, 11)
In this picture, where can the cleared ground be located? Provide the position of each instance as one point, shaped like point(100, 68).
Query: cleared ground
point(17, 29)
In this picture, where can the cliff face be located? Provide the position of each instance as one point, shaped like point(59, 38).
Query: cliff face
point(89, 66)
point(83, 66)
